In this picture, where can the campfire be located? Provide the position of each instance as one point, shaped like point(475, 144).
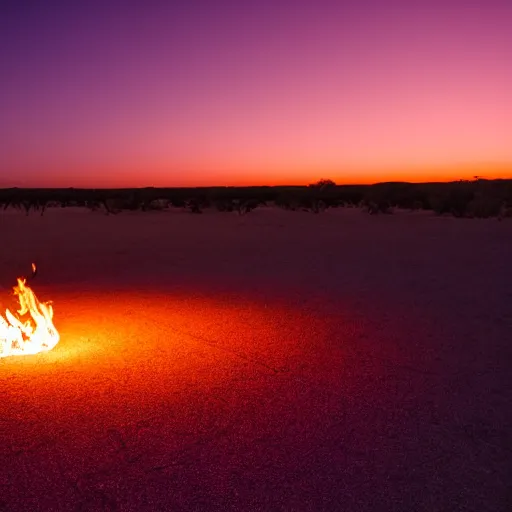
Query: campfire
point(30, 330)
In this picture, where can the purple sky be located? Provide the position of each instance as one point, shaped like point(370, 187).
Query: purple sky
point(233, 92)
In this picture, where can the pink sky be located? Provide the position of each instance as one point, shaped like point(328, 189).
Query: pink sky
point(153, 94)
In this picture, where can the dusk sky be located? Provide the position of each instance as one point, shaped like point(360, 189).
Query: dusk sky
point(234, 92)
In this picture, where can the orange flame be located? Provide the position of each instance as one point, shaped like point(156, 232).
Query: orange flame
point(36, 334)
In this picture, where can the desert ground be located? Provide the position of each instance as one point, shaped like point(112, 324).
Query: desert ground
point(277, 361)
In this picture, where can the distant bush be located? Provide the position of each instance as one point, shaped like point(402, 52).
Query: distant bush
point(454, 201)
point(158, 204)
point(322, 185)
point(224, 205)
point(321, 195)
point(417, 205)
point(287, 201)
point(505, 211)
point(114, 205)
point(241, 206)
point(376, 207)
point(244, 207)
point(484, 207)
point(194, 205)
point(379, 199)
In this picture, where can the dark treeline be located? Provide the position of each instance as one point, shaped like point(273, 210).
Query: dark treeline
point(477, 198)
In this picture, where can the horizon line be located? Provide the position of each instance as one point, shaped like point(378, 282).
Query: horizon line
point(285, 185)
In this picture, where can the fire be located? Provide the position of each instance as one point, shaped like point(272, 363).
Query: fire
point(31, 330)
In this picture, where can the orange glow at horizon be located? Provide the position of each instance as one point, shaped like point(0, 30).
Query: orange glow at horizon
point(135, 177)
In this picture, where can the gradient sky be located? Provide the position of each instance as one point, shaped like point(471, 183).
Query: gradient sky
point(234, 92)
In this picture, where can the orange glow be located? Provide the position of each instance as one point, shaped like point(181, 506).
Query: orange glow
point(134, 176)
point(33, 335)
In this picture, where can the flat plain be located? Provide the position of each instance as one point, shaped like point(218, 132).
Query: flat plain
point(273, 361)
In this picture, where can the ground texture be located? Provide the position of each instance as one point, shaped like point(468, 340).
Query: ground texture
point(274, 361)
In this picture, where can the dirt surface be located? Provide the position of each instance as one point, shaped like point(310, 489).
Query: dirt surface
point(274, 361)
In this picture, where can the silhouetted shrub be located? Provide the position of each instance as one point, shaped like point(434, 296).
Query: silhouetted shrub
point(376, 207)
point(224, 205)
point(417, 205)
point(157, 205)
point(194, 206)
point(322, 185)
point(454, 201)
point(484, 207)
point(247, 206)
point(287, 201)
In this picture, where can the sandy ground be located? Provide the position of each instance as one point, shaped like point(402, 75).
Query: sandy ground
point(276, 361)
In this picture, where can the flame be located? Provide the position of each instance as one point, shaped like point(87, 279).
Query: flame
point(34, 334)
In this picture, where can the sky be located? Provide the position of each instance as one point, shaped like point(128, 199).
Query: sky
point(233, 92)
